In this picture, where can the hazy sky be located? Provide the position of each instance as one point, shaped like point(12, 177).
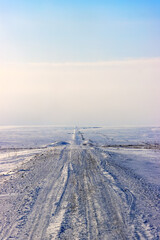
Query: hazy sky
point(80, 62)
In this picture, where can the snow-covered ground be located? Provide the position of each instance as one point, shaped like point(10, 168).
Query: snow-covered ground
point(19, 144)
point(79, 183)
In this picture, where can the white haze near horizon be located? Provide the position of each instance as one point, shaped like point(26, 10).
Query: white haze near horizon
point(113, 93)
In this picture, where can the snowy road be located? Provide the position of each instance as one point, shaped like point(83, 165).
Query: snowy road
point(78, 191)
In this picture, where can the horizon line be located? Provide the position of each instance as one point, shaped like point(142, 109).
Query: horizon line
point(89, 63)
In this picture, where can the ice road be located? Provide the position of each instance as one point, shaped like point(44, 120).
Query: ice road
point(78, 190)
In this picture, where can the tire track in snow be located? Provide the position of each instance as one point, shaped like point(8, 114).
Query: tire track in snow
point(93, 197)
point(51, 202)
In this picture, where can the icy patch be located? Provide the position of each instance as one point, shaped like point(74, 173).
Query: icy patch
point(55, 144)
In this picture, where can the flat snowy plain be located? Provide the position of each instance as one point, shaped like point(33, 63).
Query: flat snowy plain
point(79, 183)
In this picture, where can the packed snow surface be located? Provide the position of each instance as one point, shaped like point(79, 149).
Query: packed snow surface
point(79, 183)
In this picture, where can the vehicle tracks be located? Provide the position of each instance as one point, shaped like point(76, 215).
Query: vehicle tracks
point(76, 192)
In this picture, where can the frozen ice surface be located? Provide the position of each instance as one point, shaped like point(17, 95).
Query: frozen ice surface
point(79, 183)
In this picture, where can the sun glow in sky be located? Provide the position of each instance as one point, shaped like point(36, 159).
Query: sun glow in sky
point(80, 62)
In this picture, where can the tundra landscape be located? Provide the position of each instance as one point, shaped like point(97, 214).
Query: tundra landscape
point(79, 120)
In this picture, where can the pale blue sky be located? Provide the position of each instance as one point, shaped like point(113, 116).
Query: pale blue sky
point(80, 62)
point(51, 31)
